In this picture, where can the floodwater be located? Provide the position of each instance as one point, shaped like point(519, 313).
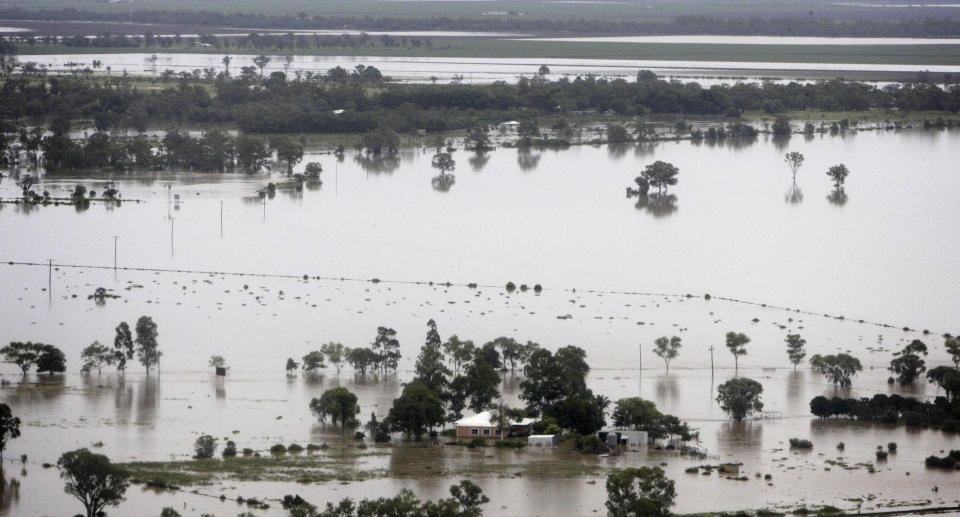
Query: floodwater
point(759, 40)
point(557, 218)
point(472, 70)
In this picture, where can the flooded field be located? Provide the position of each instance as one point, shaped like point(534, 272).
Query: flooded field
point(479, 70)
point(615, 276)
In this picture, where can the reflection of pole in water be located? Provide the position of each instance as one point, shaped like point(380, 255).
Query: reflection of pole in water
point(264, 208)
point(640, 370)
point(50, 280)
point(711, 361)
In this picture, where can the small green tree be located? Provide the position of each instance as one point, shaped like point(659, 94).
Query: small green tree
point(123, 345)
point(794, 161)
point(458, 352)
point(909, 364)
point(9, 427)
point(93, 480)
point(795, 349)
point(952, 346)
point(96, 356)
point(292, 366)
point(24, 355)
point(838, 369)
point(667, 349)
point(146, 342)
point(660, 175)
point(361, 359)
point(838, 173)
point(261, 62)
point(339, 404)
point(51, 360)
point(740, 397)
point(204, 447)
point(736, 343)
point(639, 492)
point(313, 362)
point(417, 410)
point(336, 353)
point(217, 361)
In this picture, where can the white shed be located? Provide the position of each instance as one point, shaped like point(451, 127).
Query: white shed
point(543, 440)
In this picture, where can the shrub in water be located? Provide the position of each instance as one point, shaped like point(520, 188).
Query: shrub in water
point(294, 448)
point(278, 449)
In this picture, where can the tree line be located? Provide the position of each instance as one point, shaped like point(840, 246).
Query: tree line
point(690, 24)
point(340, 101)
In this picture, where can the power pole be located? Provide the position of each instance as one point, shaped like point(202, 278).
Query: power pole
point(171, 237)
point(115, 252)
point(50, 280)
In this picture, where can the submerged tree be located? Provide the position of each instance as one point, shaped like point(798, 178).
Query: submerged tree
point(336, 353)
point(147, 342)
point(51, 360)
point(93, 480)
point(794, 161)
point(339, 404)
point(24, 355)
point(96, 356)
point(740, 397)
point(639, 492)
point(795, 349)
point(838, 173)
point(387, 347)
point(417, 410)
point(361, 359)
point(313, 362)
point(123, 345)
point(9, 427)
point(838, 369)
point(660, 175)
point(736, 343)
point(909, 364)
point(667, 349)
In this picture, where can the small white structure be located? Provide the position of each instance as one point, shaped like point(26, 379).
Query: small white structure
point(626, 437)
point(543, 440)
point(510, 125)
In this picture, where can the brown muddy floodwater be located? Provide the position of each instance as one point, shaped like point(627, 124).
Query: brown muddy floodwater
point(558, 218)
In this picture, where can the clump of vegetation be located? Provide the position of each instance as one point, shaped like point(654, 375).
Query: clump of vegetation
point(294, 448)
point(230, 450)
point(511, 287)
point(278, 449)
point(312, 447)
point(798, 443)
point(950, 461)
point(589, 444)
point(881, 454)
point(204, 447)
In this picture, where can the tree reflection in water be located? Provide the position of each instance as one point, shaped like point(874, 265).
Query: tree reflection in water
point(838, 197)
point(478, 160)
point(527, 160)
point(658, 205)
point(443, 182)
point(9, 492)
point(378, 163)
point(794, 195)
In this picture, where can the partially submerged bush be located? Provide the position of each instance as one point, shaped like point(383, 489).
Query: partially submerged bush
point(798, 443)
point(204, 447)
point(589, 444)
point(278, 449)
point(294, 448)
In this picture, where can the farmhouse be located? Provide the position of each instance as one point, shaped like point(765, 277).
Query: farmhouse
point(481, 425)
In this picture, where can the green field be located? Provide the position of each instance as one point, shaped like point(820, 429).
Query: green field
point(505, 48)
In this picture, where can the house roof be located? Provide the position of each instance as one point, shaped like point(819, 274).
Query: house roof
point(485, 419)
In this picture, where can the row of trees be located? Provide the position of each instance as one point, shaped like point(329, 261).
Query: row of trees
point(855, 22)
point(275, 104)
point(47, 358)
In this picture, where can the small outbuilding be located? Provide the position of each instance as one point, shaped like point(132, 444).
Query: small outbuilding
point(481, 425)
point(543, 440)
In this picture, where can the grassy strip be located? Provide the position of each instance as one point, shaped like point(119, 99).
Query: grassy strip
point(342, 466)
point(506, 48)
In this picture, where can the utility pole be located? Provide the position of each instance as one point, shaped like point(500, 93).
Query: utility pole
point(50, 280)
point(171, 237)
point(115, 252)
